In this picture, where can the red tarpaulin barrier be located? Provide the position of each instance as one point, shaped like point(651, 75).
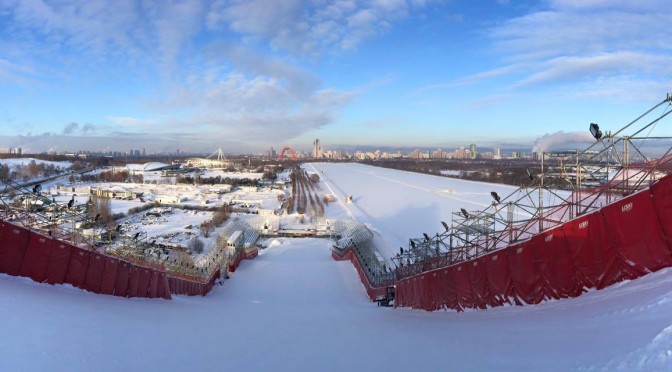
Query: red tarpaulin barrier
point(661, 192)
point(59, 259)
point(79, 261)
point(172, 285)
point(465, 295)
point(499, 278)
point(94, 272)
point(36, 260)
point(527, 282)
point(555, 264)
point(109, 279)
point(143, 283)
point(2, 229)
point(449, 290)
point(163, 288)
point(153, 285)
point(122, 280)
point(594, 260)
point(13, 248)
point(430, 291)
point(478, 275)
point(418, 291)
point(133, 282)
point(635, 233)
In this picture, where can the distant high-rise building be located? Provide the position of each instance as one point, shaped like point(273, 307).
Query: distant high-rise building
point(460, 153)
point(472, 150)
point(498, 153)
point(317, 149)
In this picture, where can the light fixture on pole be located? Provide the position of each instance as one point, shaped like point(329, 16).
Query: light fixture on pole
point(595, 131)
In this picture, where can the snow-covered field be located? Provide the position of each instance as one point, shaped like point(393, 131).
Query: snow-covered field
point(398, 205)
point(294, 309)
point(15, 162)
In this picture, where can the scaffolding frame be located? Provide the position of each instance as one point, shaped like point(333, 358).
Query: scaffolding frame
point(621, 165)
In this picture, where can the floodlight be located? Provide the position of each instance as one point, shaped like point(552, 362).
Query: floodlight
point(401, 250)
point(529, 175)
point(37, 188)
point(118, 228)
point(412, 244)
point(97, 218)
point(445, 225)
point(465, 213)
point(136, 235)
point(426, 236)
point(496, 197)
point(595, 131)
point(71, 203)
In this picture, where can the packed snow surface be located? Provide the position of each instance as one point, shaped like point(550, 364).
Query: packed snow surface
point(295, 309)
point(398, 205)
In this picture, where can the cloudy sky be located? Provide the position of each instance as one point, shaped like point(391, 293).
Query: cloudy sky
point(247, 75)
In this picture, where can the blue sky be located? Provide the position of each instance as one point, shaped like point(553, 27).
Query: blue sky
point(248, 75)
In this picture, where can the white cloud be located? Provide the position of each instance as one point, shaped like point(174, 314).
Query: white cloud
point(310, 27)
point(569, 42)
point(227, 66)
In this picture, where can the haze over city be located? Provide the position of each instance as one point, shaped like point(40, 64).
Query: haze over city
point(248, 75)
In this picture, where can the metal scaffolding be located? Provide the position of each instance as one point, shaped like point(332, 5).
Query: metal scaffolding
point(615, 166)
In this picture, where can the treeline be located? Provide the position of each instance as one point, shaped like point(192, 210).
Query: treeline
point(217, 180)
point(31, 170)
point(511, 172)
point(113, 176)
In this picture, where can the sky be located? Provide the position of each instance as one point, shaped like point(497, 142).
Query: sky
point(245, 76)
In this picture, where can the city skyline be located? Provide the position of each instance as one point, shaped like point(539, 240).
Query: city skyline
point(248, 75)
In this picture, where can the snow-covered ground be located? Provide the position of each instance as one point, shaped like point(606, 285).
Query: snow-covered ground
point(398, 205)
point(15, 162)
point(295, 309)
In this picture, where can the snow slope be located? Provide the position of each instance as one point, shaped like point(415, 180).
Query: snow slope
point(398, 205)
point(295, 309)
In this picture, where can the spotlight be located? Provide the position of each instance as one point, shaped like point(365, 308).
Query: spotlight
point(529, 175)
point(496, 197)
point(595, 131)
point(71, 203)
point(445, 225)
point(118, 228)
point(465, 213)
point(426, 236)
point(412, 244)
point(37, 188)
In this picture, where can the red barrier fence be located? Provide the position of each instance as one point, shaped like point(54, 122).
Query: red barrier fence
point(47, 260)
point(44, 259)
point(624, 240)
point(371, 291)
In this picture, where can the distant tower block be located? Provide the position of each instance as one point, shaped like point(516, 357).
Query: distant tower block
point(472, 150)
point(317, 149)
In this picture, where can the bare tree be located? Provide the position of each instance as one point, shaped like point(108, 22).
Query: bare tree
point(196, 245)
point(102, 207)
